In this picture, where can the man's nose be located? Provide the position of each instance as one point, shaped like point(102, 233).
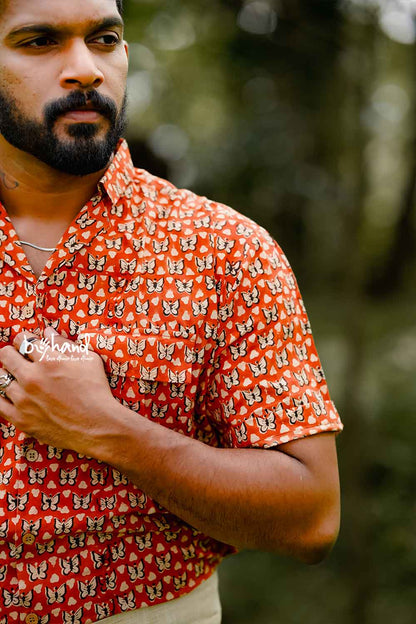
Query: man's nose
point(80, 68)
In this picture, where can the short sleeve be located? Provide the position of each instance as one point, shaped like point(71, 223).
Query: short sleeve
point(267, 386)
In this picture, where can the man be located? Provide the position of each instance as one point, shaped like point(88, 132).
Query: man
point(131, 468)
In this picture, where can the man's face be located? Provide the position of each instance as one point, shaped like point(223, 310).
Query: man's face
point(63, 69)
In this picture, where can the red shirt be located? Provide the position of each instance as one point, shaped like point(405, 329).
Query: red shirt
point(198, 318)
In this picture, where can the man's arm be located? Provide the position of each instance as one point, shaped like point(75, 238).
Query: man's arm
point(285, 500)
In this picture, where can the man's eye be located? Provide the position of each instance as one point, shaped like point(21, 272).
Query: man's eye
point(108, 40)
point(39, 42)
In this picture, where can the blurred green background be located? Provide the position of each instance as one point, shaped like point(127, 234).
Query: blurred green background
point(301, 114)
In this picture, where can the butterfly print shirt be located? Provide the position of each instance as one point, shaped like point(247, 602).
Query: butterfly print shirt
point(198, 319)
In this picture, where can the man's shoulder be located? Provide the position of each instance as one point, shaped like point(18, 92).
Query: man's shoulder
point(173, 208)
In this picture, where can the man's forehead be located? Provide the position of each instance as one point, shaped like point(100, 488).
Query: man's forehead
point(16, 13)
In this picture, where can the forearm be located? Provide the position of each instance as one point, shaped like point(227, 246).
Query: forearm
point(250, 498)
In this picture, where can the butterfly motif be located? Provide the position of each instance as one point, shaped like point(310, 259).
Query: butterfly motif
point(68, 476)
point(15, 550)
point(62, 527)
point(280, 386)
point(57, 279)
point(109, 581)
point(96, 263)
point(117, 210)
point(176, 267)
point(155, 286)
point(86, 282)
point(154, 591)
point(137, 500)
point(96, 308)
point(281, 359)
point(84, 221)
point(73, 617)
point(47, 547)
point(119, 478)
point(179, 581)
point(267, 340)
point(161, 247)
point(143, 543)
point(150, 226)
point(174, 226)
point(107, 502)
point(66, 303)
point(50, 502)
point(81, 502)
point(319, 407)
point(253, 396)
point(184, 287)
point(259, 368)
point(164, 562)
point(301, 352)
point(118, 552)
point(10, 598)
point(188, 244)
point(226, 311)
point(271, 314)
point(138, 244)
point(76, 328)
point(295, 415)
point(37, 476)
point(199, 568)
point(77, 541)
point(56, 594)
point(288, 331)
point(202, 223)
point(142, 308)
point(225, 245)
point(268, 423)
point(95, 524)
point(306, 327)
point(136, 572)
point(7, 430)
point(241, 433)
point(3, 570)
point(170, 307)
point(73, 245)
point(118, 521)
point(301, 378)
point(114, 285)
point(232, 268)
point(171, 536)
point(37, 572)
point(21, 313)
point(255, 268)
point(245, 328)
point(275, 286)
point(6, 290)
point(127, 602)
point(5, 333)
point(147, 387)
point(206, 263)
point(118, 368)
point(200, 307)
point(70, 565)
point(4, 528)
point(318, 373)
point(128, 267)
point(102, 611)
point(99, 560)
point(290, 306)
point(18, 502)
point(6, 476)
point(233, 379)
point(106, 342)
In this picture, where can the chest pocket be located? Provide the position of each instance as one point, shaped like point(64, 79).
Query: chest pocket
point(149, 359)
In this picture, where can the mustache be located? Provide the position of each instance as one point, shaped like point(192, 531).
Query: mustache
point(78, 99)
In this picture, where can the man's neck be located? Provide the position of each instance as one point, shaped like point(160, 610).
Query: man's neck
point(31, 191)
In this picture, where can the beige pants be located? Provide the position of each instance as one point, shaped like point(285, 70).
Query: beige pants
point(200, 606)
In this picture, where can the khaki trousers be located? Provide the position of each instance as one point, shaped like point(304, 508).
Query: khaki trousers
point(200, 606)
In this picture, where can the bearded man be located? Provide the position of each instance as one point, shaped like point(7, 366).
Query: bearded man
point(198, 421)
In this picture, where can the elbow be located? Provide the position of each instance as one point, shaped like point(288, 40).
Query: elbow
point(317, 543)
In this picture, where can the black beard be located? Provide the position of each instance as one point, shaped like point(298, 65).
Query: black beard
point(85, 153)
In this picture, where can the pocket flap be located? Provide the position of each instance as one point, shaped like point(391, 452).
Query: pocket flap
point(162, 357)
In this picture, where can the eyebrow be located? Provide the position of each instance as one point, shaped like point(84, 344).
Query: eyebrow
point(51, 30)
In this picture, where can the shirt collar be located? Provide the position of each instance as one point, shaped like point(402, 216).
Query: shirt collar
point(119, 175)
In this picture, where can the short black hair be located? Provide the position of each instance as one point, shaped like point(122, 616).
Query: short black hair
point(120, 6)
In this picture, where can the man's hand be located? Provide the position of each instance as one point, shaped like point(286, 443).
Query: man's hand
point(57, 392)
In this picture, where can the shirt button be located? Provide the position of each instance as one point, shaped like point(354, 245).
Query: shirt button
point(32, 618)
point(31, 456)
point(29, 539)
